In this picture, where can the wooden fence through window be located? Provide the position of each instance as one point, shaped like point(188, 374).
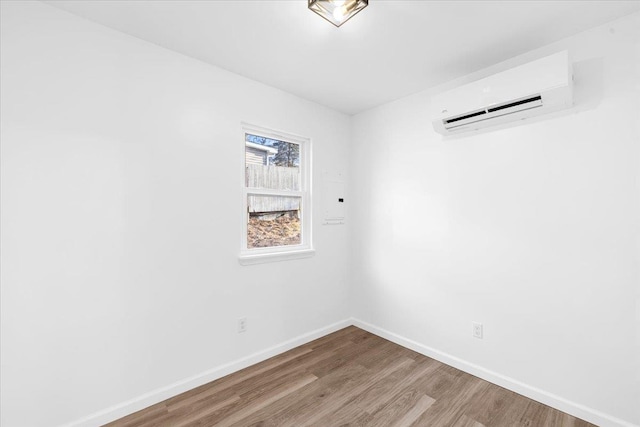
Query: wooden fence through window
point(275, 178)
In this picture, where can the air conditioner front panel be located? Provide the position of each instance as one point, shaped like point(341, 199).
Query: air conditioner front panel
point(537, 87)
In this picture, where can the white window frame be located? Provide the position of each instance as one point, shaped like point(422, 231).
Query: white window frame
point(278, 253)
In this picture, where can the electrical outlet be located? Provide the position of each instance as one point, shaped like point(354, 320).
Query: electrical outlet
point(477, 329)
point(242, 325)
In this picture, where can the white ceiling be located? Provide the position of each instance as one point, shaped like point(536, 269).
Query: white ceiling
point(391, 49)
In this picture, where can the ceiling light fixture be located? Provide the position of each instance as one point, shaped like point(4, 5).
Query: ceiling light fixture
point(337, 11)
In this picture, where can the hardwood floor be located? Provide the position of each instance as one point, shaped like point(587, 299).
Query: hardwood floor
point(349, 378)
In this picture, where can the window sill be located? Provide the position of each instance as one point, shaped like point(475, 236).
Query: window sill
point(246, 259)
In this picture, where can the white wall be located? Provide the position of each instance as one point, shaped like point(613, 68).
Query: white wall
point(121, 177)
point(532, 230)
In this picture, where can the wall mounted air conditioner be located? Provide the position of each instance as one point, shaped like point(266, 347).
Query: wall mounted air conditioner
point(529, 90)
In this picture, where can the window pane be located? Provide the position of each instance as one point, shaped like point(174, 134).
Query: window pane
point(271, 164)
point(273, 221)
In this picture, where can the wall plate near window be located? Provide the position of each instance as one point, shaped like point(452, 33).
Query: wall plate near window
point(333, 200)
point(276, 196)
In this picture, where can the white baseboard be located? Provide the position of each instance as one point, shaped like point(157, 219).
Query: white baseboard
point(129, 407)
point(588, 414)
point(125, 408)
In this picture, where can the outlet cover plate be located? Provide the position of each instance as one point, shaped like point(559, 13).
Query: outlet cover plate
point(477, 329)
point(242, 324)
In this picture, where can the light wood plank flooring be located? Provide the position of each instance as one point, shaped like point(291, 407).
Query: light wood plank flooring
point(350, 378)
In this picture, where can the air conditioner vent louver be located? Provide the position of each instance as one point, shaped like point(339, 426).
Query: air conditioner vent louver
point(466, 116)
point(539, 87)
point(459, 123)
point(515, 103)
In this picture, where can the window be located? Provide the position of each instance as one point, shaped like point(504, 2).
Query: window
point(276, 201)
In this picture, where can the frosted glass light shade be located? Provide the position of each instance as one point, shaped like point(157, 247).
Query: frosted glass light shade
point(337, 11)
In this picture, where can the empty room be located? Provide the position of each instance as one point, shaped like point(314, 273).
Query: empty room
point(320, 213)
